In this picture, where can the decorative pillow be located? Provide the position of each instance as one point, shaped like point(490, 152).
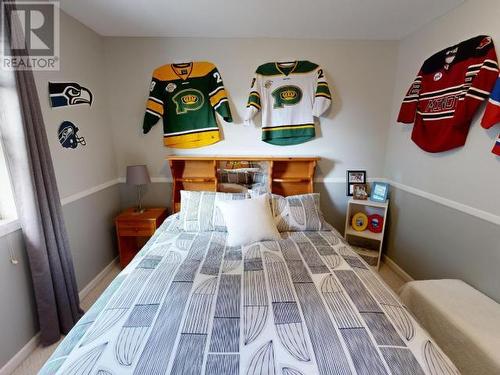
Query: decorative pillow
point(298, 213)
point(199, 212)
point(256, 224)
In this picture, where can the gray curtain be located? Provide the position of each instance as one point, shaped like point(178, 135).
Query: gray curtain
point(38, 203)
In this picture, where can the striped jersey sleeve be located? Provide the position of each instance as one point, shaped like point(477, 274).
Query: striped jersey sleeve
point(496, 147)
point(218, 96)
point(322, 95)
point(484, 79)
point(253, 104)
point(410, 101)
point(155, 105)
point(492, 113)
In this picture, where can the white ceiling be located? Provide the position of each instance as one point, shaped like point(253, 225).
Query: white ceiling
point(332, 19)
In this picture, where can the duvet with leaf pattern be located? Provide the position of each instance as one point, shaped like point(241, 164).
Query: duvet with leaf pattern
point(304, 305)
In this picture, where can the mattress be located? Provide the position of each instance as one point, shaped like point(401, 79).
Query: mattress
point(189, 304)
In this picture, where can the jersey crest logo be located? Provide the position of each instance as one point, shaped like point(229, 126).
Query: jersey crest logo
point(171, 87)
point(438, 76)
point(286, 95)
point(484, 42)
point(188, 100)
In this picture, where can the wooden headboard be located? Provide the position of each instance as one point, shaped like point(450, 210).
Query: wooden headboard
point(286, 175)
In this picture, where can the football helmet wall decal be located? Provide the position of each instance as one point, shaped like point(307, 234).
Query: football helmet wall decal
point(68, 135)
point(68, 93)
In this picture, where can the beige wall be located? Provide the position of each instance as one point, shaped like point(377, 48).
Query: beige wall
point(81, 62)
point(89, 220)
point(468, 175)
point(426, 237)
point(352, 135)
point(368, 79)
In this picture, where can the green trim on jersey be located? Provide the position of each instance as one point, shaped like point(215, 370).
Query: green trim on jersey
point(305, 67)
point(288, 135)
point(323, 90)
point(254, 100)
point(270, 69)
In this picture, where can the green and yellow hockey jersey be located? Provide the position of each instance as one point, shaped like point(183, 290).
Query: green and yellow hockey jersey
point(289, 94)
point(186, 96)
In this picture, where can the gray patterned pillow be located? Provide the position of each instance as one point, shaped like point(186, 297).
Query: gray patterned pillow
point(199, 212)
point(298, 213)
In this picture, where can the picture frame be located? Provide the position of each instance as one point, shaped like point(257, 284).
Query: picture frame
point(380, 192)
point(354, 177)
point(360, 192)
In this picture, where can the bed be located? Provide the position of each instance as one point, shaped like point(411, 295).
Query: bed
point(302, 305)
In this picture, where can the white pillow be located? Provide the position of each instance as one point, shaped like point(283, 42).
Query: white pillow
point(248, 221)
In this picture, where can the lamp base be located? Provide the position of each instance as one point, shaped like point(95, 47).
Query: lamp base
point(138, 210)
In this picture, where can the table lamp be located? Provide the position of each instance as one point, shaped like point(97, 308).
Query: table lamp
point(138, 175)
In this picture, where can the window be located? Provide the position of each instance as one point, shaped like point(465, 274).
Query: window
point(8, 98)
point(7, 206)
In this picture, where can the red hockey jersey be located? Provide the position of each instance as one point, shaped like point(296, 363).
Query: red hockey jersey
point(448, 91)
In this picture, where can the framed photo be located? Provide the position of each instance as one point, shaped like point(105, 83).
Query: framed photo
point(359, 192)
point(380, 191)
point(353, 178)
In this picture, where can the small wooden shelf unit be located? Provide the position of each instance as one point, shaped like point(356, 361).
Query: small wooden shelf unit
point(375, 240)
point(286, 175)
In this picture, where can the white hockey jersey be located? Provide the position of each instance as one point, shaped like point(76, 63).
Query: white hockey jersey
point(289, 95)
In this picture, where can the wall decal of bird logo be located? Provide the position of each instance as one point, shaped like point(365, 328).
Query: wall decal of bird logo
point(64, 94)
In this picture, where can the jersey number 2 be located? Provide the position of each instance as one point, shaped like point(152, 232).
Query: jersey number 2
point(217, 77)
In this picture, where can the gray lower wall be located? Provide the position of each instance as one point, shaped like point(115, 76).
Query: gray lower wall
point(17, 307)
point(92, 238)
point(432, 241)
point(157, 194)
point(91, 231)
point(333, 203)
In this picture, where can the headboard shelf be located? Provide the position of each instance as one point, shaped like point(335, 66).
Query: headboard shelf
point(244, 158)
point(286, 175)
point(291, 180)
point(195, 179)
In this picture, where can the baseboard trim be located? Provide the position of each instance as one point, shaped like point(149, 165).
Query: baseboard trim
point(396, 269)
point(20, 356)
point(96, 280)
point(27, 349)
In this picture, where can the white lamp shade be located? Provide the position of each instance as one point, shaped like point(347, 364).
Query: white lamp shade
point(138, 175)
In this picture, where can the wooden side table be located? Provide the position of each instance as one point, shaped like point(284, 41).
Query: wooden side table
point(134, 229)
point(366, 238)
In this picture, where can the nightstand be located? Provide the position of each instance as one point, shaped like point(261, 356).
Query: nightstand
point(134, 229)
point(367, 244)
